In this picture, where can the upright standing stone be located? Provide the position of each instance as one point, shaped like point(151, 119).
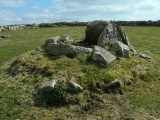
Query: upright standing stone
point(94, 29)
point(111, 34)
point(121, 49)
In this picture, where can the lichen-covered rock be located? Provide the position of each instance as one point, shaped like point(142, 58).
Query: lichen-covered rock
point(94, 29)
point(123, 36)
point(102, 56)
point(111, 34)
point(108, 36)
point(66, 49)
point(121, 49)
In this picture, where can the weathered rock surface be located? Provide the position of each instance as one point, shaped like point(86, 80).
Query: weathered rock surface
point(66, 49)
point(74, 87)
point(108, 36)
point(52, 40)
point(94, 29)
point(111, 34)
point(123, 36)
point(121, 49)
point(48, 85)
point(102, 56)
point(65, 38)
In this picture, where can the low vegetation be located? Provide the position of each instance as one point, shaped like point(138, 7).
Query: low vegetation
point(22, 74)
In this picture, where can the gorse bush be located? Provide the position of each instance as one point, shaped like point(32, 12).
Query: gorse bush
point(53, 97)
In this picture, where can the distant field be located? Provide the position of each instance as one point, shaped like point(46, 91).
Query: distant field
point(25, 40)
point(145, 39)
point(143, 93)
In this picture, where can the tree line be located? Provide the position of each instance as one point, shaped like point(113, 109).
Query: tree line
point(121, 23)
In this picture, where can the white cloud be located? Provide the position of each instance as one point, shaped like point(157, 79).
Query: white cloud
point(108, 9)
point(35, 7)
point(39, 18)
point(8, 17)
point(12, 3)
point(78, 10)
point(46, 11)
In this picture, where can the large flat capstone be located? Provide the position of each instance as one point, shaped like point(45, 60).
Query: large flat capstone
point(66, 49)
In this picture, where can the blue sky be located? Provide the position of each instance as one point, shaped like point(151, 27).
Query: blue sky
point(40, 11)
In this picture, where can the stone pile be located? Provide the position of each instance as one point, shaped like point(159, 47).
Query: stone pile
point(105, 41)
point(55, 49)
point(106, 35)
point(102, 37)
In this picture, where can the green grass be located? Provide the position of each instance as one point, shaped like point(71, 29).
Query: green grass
point(16, 92)
point(25, 40)
point(145, 39)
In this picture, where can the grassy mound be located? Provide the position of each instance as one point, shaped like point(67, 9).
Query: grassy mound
point(27, 72)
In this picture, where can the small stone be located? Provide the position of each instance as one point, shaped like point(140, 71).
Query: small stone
point(114, 87)
point(144, 56)
point(114, 84)
point(74, 87)
point(48, 85)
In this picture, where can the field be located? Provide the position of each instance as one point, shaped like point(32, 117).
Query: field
point(141, 99)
